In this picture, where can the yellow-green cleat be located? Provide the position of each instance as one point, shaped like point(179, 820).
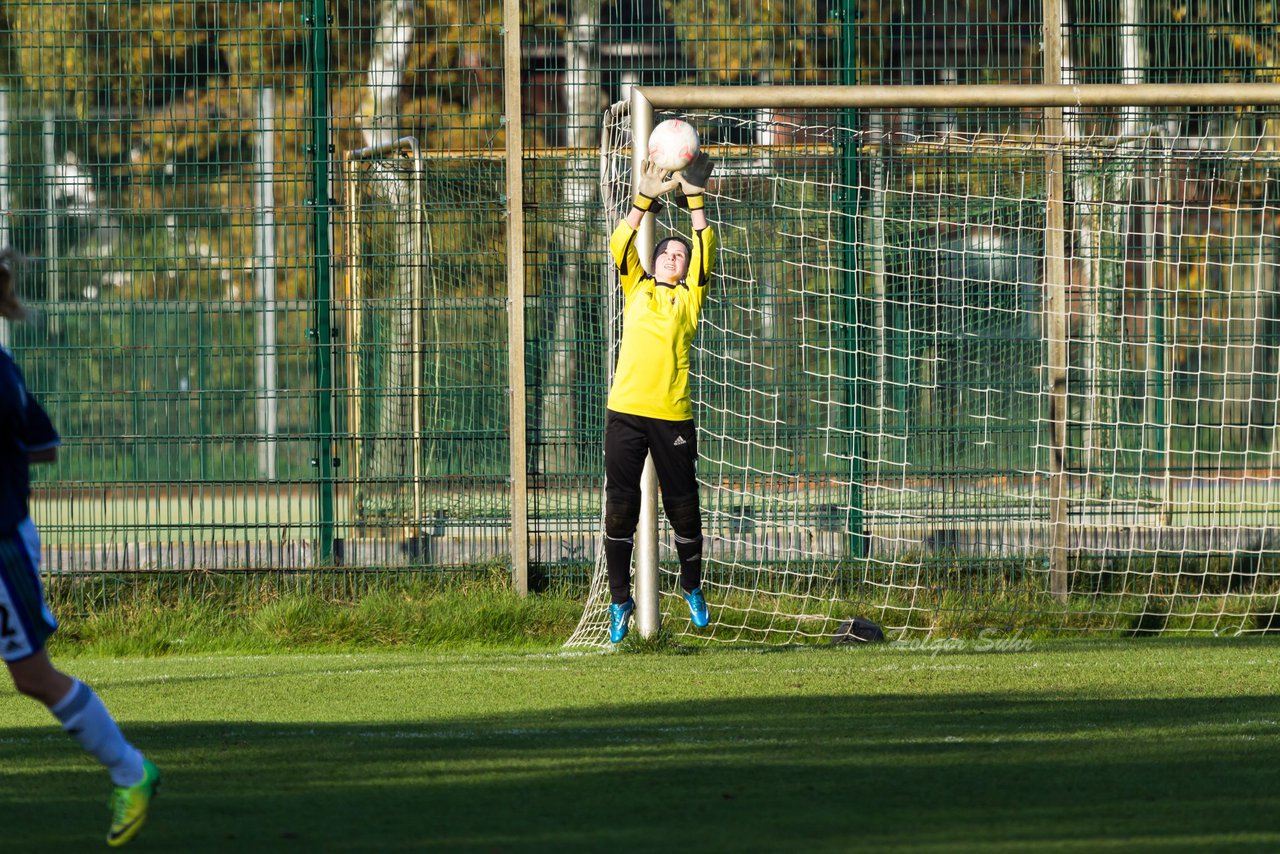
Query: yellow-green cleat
point(129, 805)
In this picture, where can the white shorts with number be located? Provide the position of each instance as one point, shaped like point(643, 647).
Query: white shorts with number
point(25, 620)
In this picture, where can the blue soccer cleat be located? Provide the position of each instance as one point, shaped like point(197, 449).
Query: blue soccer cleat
point(697, 608)
point(619, 618)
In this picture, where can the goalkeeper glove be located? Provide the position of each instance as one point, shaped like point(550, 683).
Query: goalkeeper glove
point(693, 181)
point(652, 183)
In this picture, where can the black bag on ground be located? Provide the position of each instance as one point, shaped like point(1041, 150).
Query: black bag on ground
point(858, 630)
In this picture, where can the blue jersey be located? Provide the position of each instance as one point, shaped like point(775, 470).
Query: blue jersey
point(25, 429)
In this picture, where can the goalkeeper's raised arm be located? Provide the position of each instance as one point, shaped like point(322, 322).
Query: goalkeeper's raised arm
point(650, 412)
point(693, 184)
point(651, 185)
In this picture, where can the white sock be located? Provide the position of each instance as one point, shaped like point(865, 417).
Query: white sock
point(87, 720)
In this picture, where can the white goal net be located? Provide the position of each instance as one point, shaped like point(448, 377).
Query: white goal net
point(875, 381)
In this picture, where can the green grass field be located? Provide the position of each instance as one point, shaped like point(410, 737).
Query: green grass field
point(1079, 746)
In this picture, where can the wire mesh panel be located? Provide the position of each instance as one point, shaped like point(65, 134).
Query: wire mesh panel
point(173, 171)
point(567, 359)
point(152, 177)
point(431, 482)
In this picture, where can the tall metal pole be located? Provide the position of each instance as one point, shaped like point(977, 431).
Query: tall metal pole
point(1055, 305)
point(516, 395)
point(50, 157)
point(322, 332)
point(264, 240)
point(861, 367)
point(648, 618)
point(417, 309)
point(6, 199)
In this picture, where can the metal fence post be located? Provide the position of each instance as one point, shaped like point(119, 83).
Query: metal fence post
point(264, 265)
point(517, 396)
point(1055, 278)
point(858, 366)
point(321, 259)
point(6, 199)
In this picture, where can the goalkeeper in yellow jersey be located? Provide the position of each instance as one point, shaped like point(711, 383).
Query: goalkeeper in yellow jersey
point(649, 411)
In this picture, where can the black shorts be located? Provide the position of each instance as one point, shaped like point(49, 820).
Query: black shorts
point(25, 620)
point(673, 444)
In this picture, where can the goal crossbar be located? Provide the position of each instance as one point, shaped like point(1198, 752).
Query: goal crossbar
point(981, 95)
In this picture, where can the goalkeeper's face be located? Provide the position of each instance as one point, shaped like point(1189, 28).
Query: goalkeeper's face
point(671, 261)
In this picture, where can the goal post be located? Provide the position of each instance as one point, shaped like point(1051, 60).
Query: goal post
point(386, 263)
point(645, 585)
point(1042, 393)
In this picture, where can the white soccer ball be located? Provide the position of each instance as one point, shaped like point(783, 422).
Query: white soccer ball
point(673, 145)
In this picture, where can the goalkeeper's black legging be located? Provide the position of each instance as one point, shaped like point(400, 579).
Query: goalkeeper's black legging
point(674, 446)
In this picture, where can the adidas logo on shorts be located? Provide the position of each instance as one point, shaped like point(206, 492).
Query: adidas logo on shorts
point(679, 441)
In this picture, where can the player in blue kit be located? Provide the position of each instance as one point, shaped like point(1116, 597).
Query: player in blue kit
point(27, 436)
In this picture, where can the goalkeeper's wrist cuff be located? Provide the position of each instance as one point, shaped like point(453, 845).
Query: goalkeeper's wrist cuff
point(695, 202)
point(648, 204)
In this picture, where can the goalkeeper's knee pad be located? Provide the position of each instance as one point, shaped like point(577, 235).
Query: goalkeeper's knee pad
point(686, 518)
point(620, 518)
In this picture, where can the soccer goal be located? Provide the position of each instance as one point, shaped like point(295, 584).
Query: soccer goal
point(977, 358)
point(386, 264)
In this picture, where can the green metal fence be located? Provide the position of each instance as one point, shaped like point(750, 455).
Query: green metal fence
point(252, 369)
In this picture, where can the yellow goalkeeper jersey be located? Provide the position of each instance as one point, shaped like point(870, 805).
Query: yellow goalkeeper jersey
point(658, 323)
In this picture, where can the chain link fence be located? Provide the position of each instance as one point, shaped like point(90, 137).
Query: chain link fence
point(274, 336)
